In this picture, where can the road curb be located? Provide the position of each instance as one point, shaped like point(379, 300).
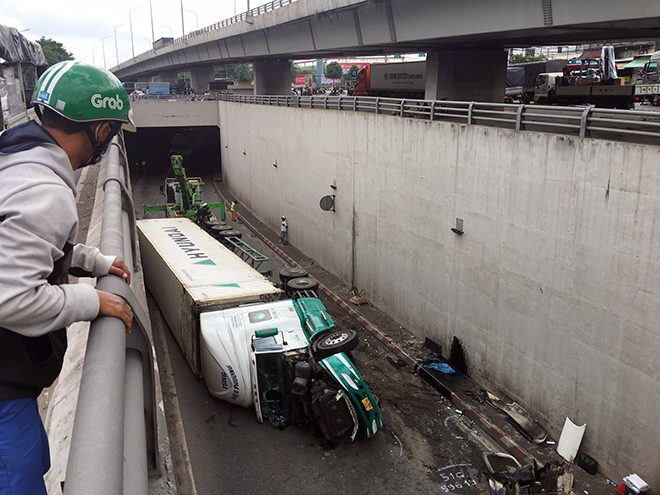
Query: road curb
point(489, 428)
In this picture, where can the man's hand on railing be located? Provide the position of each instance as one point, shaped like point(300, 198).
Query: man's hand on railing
point(120, 269)
point(112, 305)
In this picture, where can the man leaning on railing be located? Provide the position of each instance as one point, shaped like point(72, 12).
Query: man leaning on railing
point(81, 108)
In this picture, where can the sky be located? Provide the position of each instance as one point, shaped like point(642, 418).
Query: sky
point(81, 26)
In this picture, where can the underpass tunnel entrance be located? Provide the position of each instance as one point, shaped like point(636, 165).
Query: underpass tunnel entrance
point(199, 146)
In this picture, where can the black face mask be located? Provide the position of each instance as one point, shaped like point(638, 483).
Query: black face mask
point(100, 148)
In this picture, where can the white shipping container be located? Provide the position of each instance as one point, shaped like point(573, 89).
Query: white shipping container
point(406, 76)
point(188, 271)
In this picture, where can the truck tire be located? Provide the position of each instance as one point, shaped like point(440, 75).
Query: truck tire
point(301, 284)
point(332, 343)
point(290, 273)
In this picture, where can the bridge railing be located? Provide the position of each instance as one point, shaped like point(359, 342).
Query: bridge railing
point(262, 9)
point(583, 121)
point(114, 444)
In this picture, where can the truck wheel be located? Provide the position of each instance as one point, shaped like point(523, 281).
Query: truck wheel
point(290, 273)
point(332, 343)
point(301, 284)
point(216, 230)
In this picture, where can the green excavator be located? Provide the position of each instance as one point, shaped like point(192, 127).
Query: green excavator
point(184, 197)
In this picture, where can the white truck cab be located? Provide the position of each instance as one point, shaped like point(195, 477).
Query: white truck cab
point(546, 82)
point(234, 342)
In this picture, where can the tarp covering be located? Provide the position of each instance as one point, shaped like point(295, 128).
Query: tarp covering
point(638, 62)
point(515, 76)
point(15, 48)
point(525, 74)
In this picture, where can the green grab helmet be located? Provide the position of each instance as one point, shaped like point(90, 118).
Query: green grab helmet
point(83, 93)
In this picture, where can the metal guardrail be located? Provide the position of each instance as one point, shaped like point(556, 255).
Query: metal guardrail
point(262, 9)
point(582, 121)
point(114, 440)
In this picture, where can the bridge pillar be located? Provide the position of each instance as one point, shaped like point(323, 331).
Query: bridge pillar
point(168, 76)
point(465, 75)
point(200, 77)
point(272, 78)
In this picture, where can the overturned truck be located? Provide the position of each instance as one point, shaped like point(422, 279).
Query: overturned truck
point(253, 345)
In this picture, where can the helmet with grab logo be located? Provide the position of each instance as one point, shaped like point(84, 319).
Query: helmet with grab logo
point(83, 93)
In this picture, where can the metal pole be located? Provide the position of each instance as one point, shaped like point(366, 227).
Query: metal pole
point(103, 45)
point(20, 80)
point(183, 29)
point(93, 59)
point(151, 11)
point(116, 50)
point(130, 22)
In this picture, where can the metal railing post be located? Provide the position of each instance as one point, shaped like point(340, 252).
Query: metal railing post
point(584, 121)
point(519, 117)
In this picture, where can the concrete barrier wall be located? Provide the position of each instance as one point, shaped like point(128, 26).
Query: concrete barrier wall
point(553, 287)
point(174, 113)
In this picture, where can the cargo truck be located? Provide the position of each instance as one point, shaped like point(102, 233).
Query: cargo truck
point(400, 80)
point(648, 91)
point(582, 82)
point(521, 79)
point(252, 345)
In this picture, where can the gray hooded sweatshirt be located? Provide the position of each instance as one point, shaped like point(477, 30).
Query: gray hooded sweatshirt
point(38, 229)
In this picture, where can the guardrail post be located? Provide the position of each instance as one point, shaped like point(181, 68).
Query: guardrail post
point(377, 106)
point(469, 115)
point(584, 121)
point(519, 117)
point(403, 103)
point(432, 116)
point(355, 103)
point(325, 103)
point(339, 102)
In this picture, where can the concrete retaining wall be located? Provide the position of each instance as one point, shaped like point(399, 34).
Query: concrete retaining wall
point(553, 288)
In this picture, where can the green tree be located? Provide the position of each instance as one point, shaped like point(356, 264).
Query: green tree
point(54, 50)
point(241, 73)
point(298, 71)
point(333, 70)
point(520, 58)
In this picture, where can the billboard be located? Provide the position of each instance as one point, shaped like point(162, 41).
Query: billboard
point(346, 66)
point(304, 81)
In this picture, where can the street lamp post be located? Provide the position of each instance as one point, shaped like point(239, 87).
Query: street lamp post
point(169, 29)
point(93, 59)
point(151, 12)
point(116, 50)
point(183, 28)
point(130, 22)
point(151, 44)
point(103, 46)
point(196, 19)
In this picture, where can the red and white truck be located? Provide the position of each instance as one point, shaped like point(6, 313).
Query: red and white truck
point(398, 80)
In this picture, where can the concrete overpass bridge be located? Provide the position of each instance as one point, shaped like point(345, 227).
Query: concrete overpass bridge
point(461, 38)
